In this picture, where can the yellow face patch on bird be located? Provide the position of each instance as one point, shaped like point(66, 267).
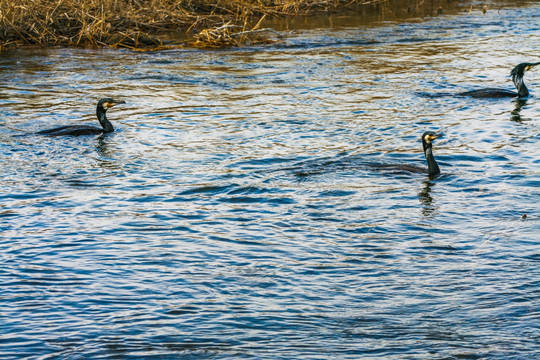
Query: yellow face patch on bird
point(109, 104)
point(431, 137)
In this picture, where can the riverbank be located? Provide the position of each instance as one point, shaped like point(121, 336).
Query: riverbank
point(159, 23)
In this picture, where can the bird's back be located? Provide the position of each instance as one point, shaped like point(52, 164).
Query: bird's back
point(492, 93)
point(74, 130)
point(399, 168)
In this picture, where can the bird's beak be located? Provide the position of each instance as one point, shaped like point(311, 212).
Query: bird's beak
point(435, 136)
point(532, 65)
point(116, 102)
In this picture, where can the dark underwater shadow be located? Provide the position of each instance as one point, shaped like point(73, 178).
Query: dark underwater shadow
point(434, 95)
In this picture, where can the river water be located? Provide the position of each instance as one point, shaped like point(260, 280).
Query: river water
point(232, 214)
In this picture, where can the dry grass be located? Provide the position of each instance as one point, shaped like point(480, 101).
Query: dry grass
point(145, 23)
point(234, 35)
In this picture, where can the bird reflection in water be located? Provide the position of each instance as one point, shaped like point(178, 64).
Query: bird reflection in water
point(429, 209)
point(516, 113)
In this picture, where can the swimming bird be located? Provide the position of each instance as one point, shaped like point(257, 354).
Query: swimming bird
point(427, 140)
point(330, 165)
point(433, 168)
point(76, 130)
point(517, 77)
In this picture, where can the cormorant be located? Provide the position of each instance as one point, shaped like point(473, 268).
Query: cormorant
point(427, 140)
point(517, 77)
point(330, 165)
point(75, 130)
point(433, 168)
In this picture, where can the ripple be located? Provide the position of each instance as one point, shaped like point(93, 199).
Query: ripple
point(241, 212)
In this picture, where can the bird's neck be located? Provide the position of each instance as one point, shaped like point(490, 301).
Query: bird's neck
point(105, 123)
point(433, 168)
point(523, 92)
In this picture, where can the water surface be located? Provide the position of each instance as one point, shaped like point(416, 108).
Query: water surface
point(232, 214)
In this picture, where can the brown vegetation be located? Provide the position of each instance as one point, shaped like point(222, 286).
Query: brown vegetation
point(145, 23)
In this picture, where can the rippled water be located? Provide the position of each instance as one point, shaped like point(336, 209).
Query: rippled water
point(231, 215)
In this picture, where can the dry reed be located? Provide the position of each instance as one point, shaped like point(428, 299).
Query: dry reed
point(146, 23)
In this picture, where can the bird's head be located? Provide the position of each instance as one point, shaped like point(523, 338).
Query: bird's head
point(519, 70)
point(107, 103)
point(428, 137)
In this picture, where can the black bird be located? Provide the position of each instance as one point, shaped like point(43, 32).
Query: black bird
point(517, 77)
point(427, 140)
point(76, 130)
point(331, 165)
point(433, 168)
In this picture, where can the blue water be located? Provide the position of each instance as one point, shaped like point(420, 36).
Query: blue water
point(234, 214)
